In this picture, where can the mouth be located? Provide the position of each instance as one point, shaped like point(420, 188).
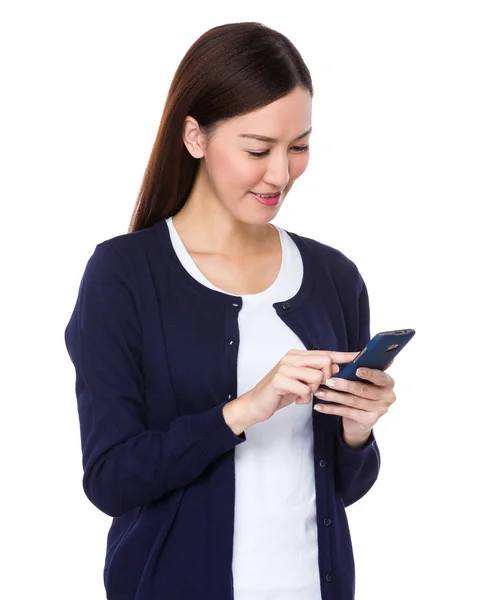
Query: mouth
point(267, 199)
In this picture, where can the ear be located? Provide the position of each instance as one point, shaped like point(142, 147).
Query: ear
point(194, 139)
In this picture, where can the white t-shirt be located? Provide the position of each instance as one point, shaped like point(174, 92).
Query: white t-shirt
point(275, 529)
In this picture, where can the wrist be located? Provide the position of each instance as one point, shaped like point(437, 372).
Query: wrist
point(238, 414)
point(356, 442)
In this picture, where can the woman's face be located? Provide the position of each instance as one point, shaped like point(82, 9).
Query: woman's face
point(236, 163)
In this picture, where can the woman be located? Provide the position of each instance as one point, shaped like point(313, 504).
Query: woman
point(199, 338)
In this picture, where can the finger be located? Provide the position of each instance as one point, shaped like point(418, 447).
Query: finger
point(344, 399)
point(321, 357)
point(338, 357)
point(375, 376)
point(306, 375)
point(288, 385)
point(357, 388)
point(364, 418)
point(311, 369)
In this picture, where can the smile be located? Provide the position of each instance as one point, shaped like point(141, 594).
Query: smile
point(267, 199)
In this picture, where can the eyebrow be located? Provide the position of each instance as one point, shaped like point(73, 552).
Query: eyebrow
point(264, 138)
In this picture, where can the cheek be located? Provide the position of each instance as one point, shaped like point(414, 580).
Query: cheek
point(232, 171)
point(299, 165)
point(245, 174)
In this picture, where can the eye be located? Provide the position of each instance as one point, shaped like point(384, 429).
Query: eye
point(258, 154)
point(300, 148)
point(297, 149)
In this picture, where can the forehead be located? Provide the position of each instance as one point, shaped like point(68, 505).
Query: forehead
point(283, 119)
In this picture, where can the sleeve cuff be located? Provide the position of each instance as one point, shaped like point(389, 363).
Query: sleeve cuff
point(217, 437)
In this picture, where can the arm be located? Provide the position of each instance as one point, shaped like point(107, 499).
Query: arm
point(356, 468)
point(125, 463)
point(357, 460)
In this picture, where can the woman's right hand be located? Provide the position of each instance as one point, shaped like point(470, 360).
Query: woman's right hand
point(293, 379)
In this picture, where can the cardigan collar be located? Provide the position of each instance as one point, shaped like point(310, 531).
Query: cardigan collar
point(223, 298)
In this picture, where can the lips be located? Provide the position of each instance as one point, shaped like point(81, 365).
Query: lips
point(267, 200)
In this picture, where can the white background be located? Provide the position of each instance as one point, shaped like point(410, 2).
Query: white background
point(393, 182)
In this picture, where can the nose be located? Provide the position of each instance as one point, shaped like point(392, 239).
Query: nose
point(277, 173)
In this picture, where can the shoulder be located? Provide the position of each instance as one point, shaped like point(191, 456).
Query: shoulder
point(130, 246)
point(124, 259)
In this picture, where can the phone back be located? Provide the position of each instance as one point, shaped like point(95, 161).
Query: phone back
point(378, 353)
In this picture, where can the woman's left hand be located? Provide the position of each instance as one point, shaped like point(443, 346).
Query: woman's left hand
point(360, 404)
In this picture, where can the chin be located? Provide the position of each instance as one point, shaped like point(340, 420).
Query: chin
point(261, 218)
point(251, 213)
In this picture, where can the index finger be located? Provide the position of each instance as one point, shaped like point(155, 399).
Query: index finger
point(338, 357)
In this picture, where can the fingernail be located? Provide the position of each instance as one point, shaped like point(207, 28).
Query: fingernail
point(319, 407)
point(361, 372)
point(330, 382)
point(320, 394)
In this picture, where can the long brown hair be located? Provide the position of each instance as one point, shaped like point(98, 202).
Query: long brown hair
point(230, 70)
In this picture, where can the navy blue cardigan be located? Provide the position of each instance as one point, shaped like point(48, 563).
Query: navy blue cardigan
point(154, 365)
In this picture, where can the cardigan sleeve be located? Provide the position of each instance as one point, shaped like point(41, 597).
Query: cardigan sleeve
point(357, 469)
point(126, 464)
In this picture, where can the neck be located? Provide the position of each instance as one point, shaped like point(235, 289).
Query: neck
point(206, 226)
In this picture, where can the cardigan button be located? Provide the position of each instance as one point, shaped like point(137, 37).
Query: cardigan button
point(323, 463)
point(329, 576)
point(327, 521)
point(314, 347)
point(286, 305)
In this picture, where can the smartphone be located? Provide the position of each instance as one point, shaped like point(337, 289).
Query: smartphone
point(378, 354)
